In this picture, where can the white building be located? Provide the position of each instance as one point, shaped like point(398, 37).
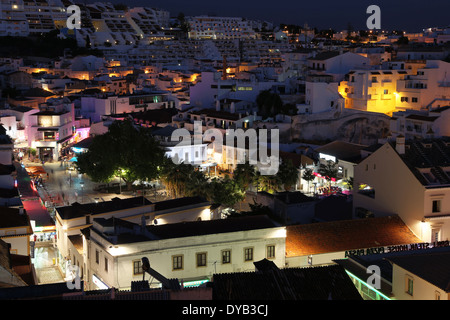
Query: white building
point(69, 220)
point(94, 107)
point(409, 178)
point(429, 88)
point(211, 88)
point(411, 282)
point(373, 90)
point(421, 124)
point(51, 128)
point(21, 18)
point(191, 251)
point(15, 229)
point(204, 27)
point(321, 95)
point(336, 63)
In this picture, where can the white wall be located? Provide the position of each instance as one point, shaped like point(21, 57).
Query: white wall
point(160, 252)
point(422, 290)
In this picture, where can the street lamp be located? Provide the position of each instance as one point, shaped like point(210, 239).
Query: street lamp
point(82, 191)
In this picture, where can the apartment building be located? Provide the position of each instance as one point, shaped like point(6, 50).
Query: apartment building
point(96, 106)
point(13, 21)
point(147, 21)
point(204, 27)
point(24, 17)
point(421, 124)
point(336, 63)
point(51, 128)
point(373, 90)
point(429, 88)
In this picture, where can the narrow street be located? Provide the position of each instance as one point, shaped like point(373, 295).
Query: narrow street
point(44, 251)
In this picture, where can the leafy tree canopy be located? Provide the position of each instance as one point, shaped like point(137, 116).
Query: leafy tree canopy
point(126, 151)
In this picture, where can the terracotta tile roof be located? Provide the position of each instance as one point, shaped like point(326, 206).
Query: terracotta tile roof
point(336, 236)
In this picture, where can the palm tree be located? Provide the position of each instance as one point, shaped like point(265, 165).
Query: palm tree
point(329, 171)
point(268, 183)
point(197, 184)
point(175, 178)
point(287, 174)
point(244, 175)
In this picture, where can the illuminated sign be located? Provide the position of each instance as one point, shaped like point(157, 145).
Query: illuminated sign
point(327, 157)
point(397, 248)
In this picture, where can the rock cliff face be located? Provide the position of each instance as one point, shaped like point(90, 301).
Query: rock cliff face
point(349, 125)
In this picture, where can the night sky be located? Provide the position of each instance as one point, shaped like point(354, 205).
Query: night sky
point(409, 15)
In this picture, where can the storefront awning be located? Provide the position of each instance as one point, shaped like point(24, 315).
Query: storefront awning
point(35, 170)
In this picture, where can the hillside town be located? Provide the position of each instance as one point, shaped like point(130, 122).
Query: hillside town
point(135, 154)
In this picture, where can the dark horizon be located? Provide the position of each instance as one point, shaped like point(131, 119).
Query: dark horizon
point(411, 15)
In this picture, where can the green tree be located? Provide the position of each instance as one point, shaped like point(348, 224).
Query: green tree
point(125, 151)
point(309, 176)
point(329, 171)
point(175, 178)
point(244, 175)
point(225, 192)
point(268, 183)
point(287, 174)
point(349, 182)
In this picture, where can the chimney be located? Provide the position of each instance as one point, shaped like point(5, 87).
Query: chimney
point(400, 144)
